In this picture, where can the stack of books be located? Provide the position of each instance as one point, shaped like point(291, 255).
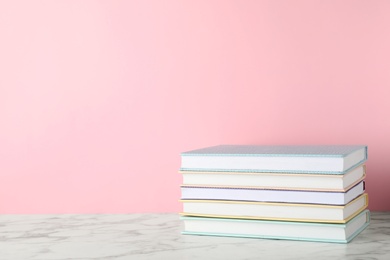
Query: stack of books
point(313, 193)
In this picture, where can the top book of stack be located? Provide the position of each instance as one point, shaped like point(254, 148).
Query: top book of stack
point(320, 159)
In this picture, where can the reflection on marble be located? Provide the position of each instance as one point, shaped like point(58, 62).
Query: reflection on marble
point(157, 236)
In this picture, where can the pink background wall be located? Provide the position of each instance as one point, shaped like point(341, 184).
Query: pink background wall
point(98, 98)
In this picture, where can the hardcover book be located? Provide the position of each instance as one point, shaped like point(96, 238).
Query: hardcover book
point(265, 180)
point(275, 211)
point(272, 195)
point(319, 232)
point(326, 159)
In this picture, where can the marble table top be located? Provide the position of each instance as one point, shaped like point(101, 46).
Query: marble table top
point(157, 236)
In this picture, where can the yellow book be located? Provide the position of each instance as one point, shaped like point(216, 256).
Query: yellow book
point(275, 211)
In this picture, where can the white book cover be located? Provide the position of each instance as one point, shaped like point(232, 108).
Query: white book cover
point(328, 159)
point(266, 180)
point(271, 195)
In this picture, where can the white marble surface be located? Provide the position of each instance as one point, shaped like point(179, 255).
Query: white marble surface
point(157, 236)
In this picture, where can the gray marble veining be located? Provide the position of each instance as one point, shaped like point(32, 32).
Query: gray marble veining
point(157, 236)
